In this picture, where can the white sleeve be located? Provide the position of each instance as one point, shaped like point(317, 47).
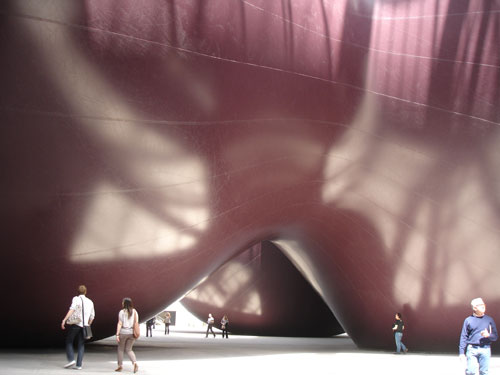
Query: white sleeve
point(92, 312)
point(75, 303)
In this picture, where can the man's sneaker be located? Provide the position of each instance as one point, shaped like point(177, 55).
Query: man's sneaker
point(78, 367)
point(69, 364)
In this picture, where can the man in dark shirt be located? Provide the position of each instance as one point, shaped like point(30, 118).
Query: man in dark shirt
point(478, 331)
point(398, 328)
point(149, 326)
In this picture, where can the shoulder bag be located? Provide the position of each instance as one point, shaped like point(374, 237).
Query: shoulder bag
point(137, 328)
point(87, 331)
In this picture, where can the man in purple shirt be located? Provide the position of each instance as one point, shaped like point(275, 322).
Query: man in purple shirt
point(478, 331)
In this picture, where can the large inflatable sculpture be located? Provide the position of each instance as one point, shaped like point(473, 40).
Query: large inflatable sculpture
point(147, 143)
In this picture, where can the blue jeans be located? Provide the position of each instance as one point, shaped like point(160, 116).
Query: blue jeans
point(399, 344)
point(75, 332)
point(478, 355)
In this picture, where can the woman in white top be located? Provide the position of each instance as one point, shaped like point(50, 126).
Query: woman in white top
point(125, 333)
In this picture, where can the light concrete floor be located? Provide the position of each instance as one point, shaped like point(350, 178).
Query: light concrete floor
point(192, 353)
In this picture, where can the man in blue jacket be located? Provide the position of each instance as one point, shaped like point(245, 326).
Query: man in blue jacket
point(478, 331)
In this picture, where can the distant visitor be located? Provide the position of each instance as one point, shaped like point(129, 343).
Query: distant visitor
point(210, 322)
point(398, 328)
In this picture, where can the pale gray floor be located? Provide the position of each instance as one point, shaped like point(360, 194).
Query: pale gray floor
point(192, 353)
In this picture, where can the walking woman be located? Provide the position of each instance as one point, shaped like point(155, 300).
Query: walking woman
point(224, 325)
point(167, 323)
point(125, 333)
point(398, 328)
